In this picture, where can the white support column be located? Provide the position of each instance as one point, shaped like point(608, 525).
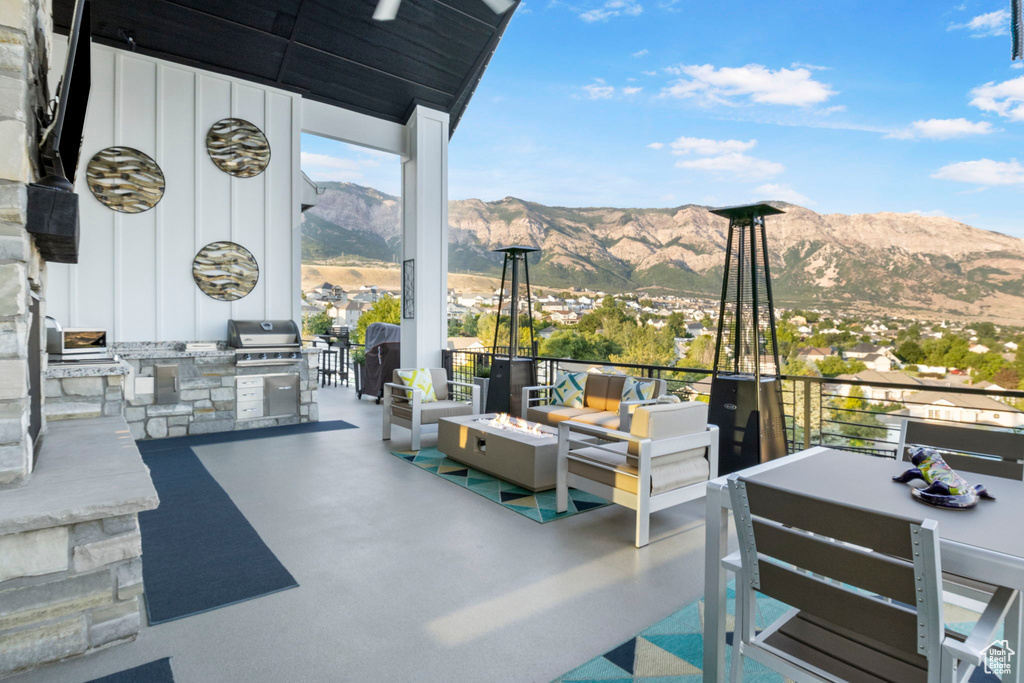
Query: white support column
point(425, 235)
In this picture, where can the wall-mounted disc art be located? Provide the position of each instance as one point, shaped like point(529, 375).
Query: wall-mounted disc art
point(238, 147)
point(225, 271)
point(125, 179)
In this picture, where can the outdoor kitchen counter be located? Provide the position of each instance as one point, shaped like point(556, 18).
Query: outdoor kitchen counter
point(213, 393)
point(57, 370)
point(140, 350)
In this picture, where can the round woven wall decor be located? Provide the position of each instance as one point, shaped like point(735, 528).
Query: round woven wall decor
point(238, 147)
point(125, 179)
point(225, 271)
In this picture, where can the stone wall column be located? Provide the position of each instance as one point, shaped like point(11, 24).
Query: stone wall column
point(25, 33)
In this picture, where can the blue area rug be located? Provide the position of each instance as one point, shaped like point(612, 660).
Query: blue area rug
point(200, 551)
point(673, 649)
point(154, 672)
point(153, 445)
point(540, 506)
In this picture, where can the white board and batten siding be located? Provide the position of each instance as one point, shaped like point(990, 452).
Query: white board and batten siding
point(134, 276)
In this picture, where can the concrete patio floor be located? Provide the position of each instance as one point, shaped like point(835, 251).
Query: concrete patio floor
point(404, 576)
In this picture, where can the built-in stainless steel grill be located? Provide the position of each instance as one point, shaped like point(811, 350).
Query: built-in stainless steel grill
point(265, 342)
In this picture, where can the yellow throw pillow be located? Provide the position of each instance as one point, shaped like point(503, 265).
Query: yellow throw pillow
point(569, 389)
point(419, 379)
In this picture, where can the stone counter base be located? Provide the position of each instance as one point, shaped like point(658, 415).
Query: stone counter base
point(206, 401)
point(68, 590)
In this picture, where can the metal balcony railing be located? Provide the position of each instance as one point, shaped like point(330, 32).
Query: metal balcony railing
point(820, 411)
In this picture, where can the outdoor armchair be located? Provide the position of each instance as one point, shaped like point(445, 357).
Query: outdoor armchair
point(404, 406)
point(665, 459)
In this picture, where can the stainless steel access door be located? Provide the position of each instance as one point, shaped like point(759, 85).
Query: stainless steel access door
point(282, 395)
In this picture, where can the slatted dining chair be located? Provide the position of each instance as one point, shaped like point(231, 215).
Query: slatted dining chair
point(990, 452)
point(973, 449)
point(864, 587)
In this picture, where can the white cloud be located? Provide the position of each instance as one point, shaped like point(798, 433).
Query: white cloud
point(706, 147)
point(983, 172)
point(1005, 99)
point(781, 192)
point(612, 8)
point(656, 145)
point(763, 85)
point(641, 53)
point(942, 129)
point(325, 167)
point(992, 24)
point(736, 164)
point(631, 90)
point(599, 90)
point(835, 109)
point(649, 73)
point(812, 67)
point(1017, 65)
point(934, 213)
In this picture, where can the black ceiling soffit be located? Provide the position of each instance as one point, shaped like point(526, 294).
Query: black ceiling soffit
point(434, 53)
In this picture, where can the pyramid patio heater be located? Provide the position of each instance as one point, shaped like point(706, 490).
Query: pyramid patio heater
point(511, 374)
point(746, 390)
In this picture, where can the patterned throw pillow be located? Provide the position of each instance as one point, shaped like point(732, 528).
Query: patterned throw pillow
point(420, 379)
point(569, 389)
point(633, 390)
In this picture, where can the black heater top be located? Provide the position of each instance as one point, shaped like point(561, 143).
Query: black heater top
point(746, 211)
point(516, 250)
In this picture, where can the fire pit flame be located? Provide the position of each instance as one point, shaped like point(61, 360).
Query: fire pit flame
point(514, 424)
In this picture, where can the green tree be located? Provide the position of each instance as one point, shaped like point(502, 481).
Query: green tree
point(910, 352)
point(570, 344)
point(646, 346)
point(470, 323)
point(317, 323)
point(700, 353)
point(386, 309)
point(857, 420)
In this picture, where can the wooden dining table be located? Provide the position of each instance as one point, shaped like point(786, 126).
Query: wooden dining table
point(985, 543)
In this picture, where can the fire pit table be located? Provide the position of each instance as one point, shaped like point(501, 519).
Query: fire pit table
point(512, 449)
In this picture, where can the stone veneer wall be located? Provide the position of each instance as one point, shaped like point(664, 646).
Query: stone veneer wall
point(25, 34)
point(68, 590)
point(71, 398)
point(207, 398)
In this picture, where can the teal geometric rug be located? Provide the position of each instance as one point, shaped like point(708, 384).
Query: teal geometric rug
point(540, 506)
point(672, 650)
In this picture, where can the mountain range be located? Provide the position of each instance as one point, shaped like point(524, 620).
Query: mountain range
point(862, 262)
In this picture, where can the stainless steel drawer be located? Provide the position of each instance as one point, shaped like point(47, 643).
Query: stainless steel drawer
point(283, 395)
point(249, 382)
point(249, 409)
point(245, 395)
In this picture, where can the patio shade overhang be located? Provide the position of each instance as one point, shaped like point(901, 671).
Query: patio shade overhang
point(433, 54)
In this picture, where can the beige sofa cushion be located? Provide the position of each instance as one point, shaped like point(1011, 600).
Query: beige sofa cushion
point(438, 377)
point(551, 415)
point(606, 419)
point(604, 392)
point(430, 413)
point(669, 420)
point(665, 476)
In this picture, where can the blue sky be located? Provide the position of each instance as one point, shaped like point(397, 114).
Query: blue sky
point(841, 106)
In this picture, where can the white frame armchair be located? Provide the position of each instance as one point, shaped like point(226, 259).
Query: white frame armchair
point(395, 393)
point(576, 434)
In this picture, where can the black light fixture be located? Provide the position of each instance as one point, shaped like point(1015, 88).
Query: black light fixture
point(511, 374)
point(746, 388)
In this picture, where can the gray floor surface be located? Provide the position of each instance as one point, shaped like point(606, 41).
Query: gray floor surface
point(404, 576)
